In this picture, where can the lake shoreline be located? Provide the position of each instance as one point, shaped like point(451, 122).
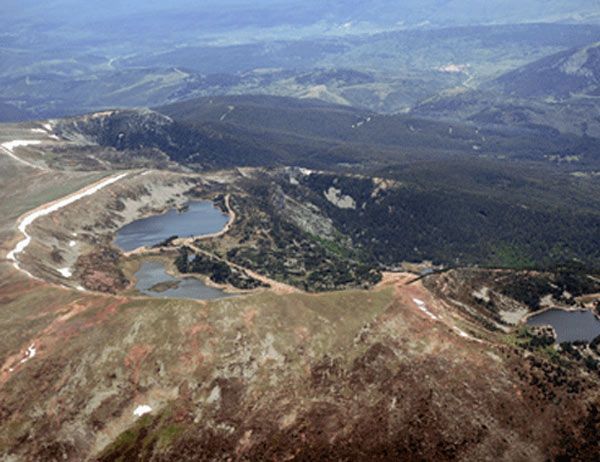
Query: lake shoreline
point(143, 234)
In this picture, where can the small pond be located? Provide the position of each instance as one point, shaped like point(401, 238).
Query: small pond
point(570, 326)
point(154, 281)
point(198, 219)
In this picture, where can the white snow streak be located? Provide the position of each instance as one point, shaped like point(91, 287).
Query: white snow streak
point(421, 305)
point(230, 109)
point(47, 210)
point(31, 351)
point(462, 333)
point(29, 354)
point(10, 146)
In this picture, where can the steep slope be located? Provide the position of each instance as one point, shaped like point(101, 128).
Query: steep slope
point(454, 213)
point(144, 133)
point(303, 117)
point(213, 133)
point(558, 93)
point(573, 73)
point(347, 135)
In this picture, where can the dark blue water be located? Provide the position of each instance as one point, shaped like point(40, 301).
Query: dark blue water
point(570, 326)
point(199, 219)
point(153, 272)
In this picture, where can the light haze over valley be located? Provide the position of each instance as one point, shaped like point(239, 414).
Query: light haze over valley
point(300, 230)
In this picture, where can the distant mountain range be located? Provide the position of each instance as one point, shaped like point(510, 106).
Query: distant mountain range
point(573, 73)
point(560, 93)
point(387, 72)
point(337, 15)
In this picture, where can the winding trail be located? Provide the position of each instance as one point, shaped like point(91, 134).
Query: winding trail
point(29, 218)
point(180, 241)
point(226, 228)
point(275, 286)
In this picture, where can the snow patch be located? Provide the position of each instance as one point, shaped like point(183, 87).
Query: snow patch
point(423, 307)
point(65, 272)
point(141, 410)
point(362, 122)
point(454, 68)
point(72, 244)
point(463, 334)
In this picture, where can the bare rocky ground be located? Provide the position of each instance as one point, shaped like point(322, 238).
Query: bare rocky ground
point(399, 372)
point(352, 375)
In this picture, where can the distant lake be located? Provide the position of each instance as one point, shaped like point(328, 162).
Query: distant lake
point(570, 326)
point(152, 273)
point(200, 218)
